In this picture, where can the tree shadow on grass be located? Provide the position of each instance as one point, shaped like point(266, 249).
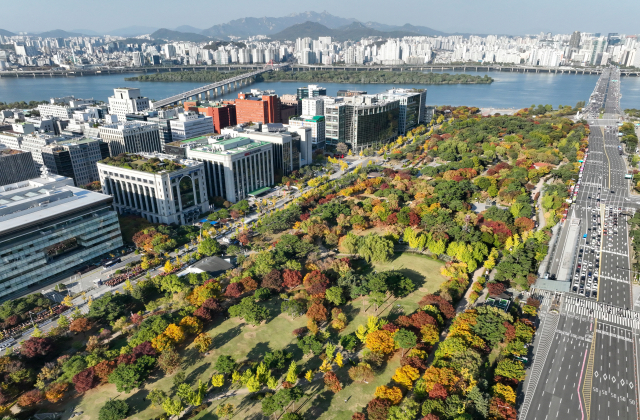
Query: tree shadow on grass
point(194, 374)
point(226, 336)
point(138, 401)
point(258, 351)
point(191, 356)
point(321, 402)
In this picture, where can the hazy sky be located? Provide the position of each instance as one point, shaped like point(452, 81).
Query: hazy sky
point(472, 16)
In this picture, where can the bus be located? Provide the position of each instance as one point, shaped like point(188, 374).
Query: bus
point(628, 176)
point(111, 263)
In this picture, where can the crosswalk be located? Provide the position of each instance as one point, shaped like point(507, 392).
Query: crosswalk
point(589, 309)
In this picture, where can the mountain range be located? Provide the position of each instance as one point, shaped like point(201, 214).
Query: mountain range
point(310, 24)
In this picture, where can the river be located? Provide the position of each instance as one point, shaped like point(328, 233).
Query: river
point(509, 90)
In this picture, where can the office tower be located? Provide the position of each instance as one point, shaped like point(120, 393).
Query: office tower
point(76, 159)
point(16, 166)
point(131, 137)
point(127, 101)
point(48, 226)
point(191, 124)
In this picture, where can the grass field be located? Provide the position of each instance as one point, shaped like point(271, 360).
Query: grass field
point(247, 343)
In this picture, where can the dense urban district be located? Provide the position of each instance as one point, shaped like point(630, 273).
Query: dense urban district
point(359, 256)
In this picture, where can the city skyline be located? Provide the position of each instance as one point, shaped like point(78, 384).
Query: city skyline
point(500, 17)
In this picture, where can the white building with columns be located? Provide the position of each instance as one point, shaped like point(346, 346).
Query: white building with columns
point(161, 188)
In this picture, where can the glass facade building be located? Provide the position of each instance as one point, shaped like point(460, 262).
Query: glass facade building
point(48, 226)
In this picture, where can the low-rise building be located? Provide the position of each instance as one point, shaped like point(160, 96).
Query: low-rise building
point(48, 226)
point(236, 168)
point(159, 187)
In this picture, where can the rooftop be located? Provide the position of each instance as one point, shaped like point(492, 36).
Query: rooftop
point(41, 198)
point(154, 163)
point(232, 146)
point(7, 152)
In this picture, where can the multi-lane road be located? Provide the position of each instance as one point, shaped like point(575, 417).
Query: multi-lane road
point(584, 356)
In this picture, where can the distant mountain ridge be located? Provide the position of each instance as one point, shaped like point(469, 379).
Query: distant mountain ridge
point(279, 27)
point(58, 33)
point(353, 31)
point(170, 35)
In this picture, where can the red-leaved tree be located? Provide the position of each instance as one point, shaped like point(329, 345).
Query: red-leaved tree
point(291, 278)
point(316, 283)
point(85, 380)
point(332, 382)
point(317, 312)
point(495, 288)
point(447, 310)
point(30, 398)
point(378, 408)
point(36, 347)
point(438, 392)
point(234, 290)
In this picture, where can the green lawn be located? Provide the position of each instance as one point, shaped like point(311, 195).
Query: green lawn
point(247, 343)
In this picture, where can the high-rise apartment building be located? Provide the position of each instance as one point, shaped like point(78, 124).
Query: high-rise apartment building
point(370, 122)
point(48, 226)
point(310, 91)
point(313, 106)
point(16, 166)
point(159, 187)
point(574, 41)
point(131, 137)
point(127, 101)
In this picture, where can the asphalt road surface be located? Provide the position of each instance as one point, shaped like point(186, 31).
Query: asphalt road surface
point(585, 351)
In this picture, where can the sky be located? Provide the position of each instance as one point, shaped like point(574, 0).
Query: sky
point(512, 17)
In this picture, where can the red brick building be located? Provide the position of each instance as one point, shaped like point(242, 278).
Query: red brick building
point(224, 115)
point(253, 109)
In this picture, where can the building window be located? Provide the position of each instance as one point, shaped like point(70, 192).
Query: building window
point(186, 192)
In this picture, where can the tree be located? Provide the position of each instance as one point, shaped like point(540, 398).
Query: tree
point(80, 325)
point(505, 392)
point(316, 283)
point(169, 360)
point(209, 247)
point(85, 380)
point(378, 408)
point(334, 295)
point(292, 373)
point(447, 310)
point(405, 339)
point(361, 373)
point(225, 364)
point(217, 380)
point(55, 392)
point(103, 369)
point(342, 148)
point(156, 396)
point(380, 341)
point(332, 382)
point(495, 288)
point(405, 375)
point(172, 407)
point(317, 312)
point(203, 342)
point(438, 392)
point(374, 248)
point(234, 290)
point(393, 394)
point(224, 411)
point(291, 278)
point(126, 378)
point(30, 398)
point(510, 369)
point(36, 347)
point(273, 280)
point(407, 410)
point(114, 410)
point(191, 325)
point(250, 311)
point(350, 242)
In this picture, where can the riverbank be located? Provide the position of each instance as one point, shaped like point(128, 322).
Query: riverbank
point(323, 76)
point(509, 90)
